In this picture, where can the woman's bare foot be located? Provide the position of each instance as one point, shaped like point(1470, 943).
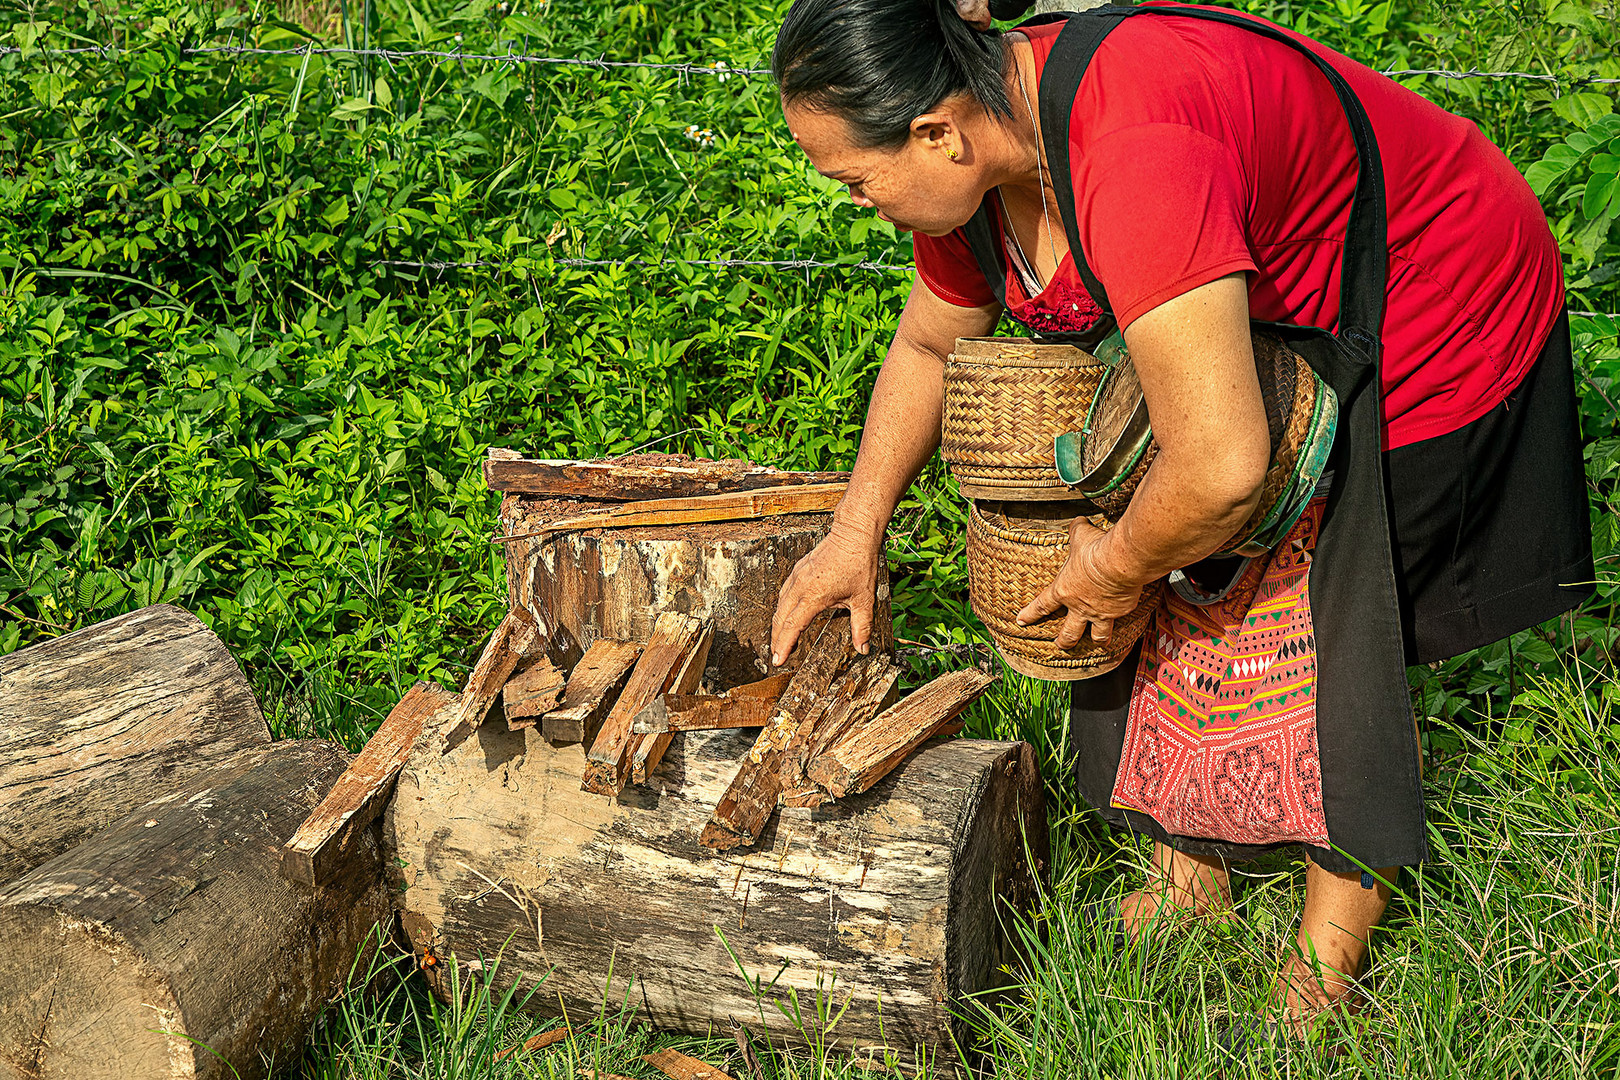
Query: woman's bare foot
point(1179, 886)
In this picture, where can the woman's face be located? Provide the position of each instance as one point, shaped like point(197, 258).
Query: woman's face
point(918, 187)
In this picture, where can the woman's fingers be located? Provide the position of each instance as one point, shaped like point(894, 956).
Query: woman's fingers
point(1040, 607)
point(860, 624)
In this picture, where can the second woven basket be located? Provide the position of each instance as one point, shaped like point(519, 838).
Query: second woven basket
point(1014, 550)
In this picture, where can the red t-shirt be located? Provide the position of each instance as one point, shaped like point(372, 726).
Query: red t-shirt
point(1200, 149)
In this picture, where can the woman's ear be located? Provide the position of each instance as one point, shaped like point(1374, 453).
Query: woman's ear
point(976, 13)
point(937, 131)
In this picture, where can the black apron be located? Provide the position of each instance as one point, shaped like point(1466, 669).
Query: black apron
point(1372, 790)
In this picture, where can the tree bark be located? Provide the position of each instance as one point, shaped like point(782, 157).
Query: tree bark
point(93, 723)
point(173, 927)
point(612, 583)
point(893, 892)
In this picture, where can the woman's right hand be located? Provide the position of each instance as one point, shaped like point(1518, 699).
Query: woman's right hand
point(840, 572)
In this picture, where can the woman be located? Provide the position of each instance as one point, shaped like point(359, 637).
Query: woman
point(1208, 175)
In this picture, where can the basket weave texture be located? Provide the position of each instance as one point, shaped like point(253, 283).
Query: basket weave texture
point(1006, 400)
point(1009, 563)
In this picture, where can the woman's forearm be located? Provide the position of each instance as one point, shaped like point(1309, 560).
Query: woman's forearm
point(1176, 518)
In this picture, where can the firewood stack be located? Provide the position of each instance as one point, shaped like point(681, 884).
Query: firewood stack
point(589, 807)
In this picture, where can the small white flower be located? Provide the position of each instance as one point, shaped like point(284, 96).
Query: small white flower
point(692, 132)
point(721, 69)
point(705, 138)
point(502, 6)
point(458, 39)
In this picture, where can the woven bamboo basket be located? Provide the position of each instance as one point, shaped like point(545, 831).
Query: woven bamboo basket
point(1006, 400)
point(1014, 550)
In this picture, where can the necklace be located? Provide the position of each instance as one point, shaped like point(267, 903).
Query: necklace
point(1046, 210)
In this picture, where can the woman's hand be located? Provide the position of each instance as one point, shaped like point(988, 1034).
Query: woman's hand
point(839, 572)
point(1092, 596)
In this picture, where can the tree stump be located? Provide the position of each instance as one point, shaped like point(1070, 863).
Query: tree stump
point(94, 723)
point(887, 899)
point(613, 583)
point(173, 927)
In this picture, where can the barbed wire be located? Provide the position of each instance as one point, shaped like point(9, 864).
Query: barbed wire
point(718, 68)
point(772, 264)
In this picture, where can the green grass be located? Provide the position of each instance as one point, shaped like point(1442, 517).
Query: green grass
point(217, 388)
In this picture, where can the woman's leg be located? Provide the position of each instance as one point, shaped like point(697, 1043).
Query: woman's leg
point(1177, 882)
point(1320, 970)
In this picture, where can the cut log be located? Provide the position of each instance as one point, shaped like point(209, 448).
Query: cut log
point(650, 748)
point(171, 937)
point(330, 835)
point(869, 687)
point(512, 640)
point(93, 723)
point(681, 1066)
point(593, 686)
point(629, 481)
point(866, 754)
point(529, 695)
point(612, 583)
point(888, 898)
point(607, 768)
point(650, 513)
point(741, 813)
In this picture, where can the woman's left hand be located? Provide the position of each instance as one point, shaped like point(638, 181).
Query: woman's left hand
point(1092, 596)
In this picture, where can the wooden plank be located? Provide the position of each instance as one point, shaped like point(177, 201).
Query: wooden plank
point(529, 695)
point(592, 687)
point(869, 687)
point(607, 765)
point(616, 482)
point(316, 850)
point(650, 748)
point(750, 705)
point(681, 1066)
point(511, 642)
point(868, 753)
point(539, 1042)
point(767, 502)
point(746, 806)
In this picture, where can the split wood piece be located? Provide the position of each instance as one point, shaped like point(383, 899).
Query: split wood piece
point(592, 688)
point(510, 643)
point(746, 806)
point(867, 754)
point(683, 1066)
point(745, 1048)
point(321, 843)
point(96, 722)
point(613, 482)
point(607, 766)
point(539, 1042)
point(169, 944)
point(650, 749)
point(596, 1074)
point(734, 506)
point(529, 695)
point(869, 687)
point(743, 706)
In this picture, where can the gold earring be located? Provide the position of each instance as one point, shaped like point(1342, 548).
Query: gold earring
point(951, 154)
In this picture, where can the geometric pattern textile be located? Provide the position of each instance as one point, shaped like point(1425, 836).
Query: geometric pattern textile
point(1220, 739)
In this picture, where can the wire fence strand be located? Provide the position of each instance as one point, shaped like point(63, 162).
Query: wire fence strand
point(717, 68)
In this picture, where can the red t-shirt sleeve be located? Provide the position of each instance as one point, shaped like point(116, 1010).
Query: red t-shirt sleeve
point(947, 265)
point(1162, 210)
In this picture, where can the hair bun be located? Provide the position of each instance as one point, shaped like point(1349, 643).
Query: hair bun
point(1006, 10)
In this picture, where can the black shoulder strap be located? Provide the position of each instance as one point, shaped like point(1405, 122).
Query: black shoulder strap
point(1364, 270)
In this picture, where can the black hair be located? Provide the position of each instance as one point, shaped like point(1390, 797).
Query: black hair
point(880, 64)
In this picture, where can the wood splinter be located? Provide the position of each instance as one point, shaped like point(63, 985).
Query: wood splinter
point(681, 1066)
point(316, 849)
point(608, 764)
point(592, 687)
point(743, 706)
point(650, 749)
point(539, 1042)
point(866, 689)
point(513, 640)
point(867, 754)
point(766, 502)
point(529, 695)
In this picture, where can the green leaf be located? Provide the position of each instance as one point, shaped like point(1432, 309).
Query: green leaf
point(1599, 191)
point(352, 109)
point(1582, 110)
point(98, 590)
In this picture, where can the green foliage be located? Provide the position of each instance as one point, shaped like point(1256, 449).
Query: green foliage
point(263, 315)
